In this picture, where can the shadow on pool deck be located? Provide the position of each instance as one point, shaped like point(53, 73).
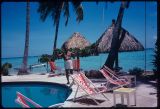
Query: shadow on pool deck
point(86, 101)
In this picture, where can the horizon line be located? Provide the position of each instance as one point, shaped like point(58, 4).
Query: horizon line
point(42, 54)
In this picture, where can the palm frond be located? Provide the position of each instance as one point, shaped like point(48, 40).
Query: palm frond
point(66, 12)
point(79, 13)
point(45, 9)
point(125, 4)
point(78, 9)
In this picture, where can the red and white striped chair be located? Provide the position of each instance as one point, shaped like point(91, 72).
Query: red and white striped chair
point(25, 101)
point(113, 79)
point(54, 68)
point(87, 86)
point(22, 100)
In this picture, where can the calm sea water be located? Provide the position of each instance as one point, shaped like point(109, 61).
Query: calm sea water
point(127, 60)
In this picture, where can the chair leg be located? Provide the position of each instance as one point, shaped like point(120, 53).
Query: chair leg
point(105, 96)
point(71, 84)
point(75, 93)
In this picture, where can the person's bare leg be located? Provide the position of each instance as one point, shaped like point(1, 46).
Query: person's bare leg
point(71, 71)
point(67, 75)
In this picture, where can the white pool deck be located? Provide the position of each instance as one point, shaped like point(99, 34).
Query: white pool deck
point(146, 94)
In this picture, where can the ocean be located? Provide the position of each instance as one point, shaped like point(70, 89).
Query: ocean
point(127, 60)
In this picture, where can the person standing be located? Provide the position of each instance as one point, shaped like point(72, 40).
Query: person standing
point(67, 63)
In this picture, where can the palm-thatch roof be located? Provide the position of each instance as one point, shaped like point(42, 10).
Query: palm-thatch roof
point(76, 41)
point(129, 42)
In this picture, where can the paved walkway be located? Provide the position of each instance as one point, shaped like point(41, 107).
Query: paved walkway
point(145, 93)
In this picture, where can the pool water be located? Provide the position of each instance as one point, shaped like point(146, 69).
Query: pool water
point(43, 93)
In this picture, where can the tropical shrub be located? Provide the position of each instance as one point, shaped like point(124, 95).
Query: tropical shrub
point(136, 71)
point(156, 61)
point(94, 74)
point(45, 58)
point(5, 67)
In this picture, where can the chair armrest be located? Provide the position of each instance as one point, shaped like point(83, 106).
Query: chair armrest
point(124, 77)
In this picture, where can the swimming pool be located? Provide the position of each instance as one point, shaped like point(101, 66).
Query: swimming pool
point(43, 93)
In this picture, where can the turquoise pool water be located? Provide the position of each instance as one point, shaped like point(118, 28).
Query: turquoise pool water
point(43, 93)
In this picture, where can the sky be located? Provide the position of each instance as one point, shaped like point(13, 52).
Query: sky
point(97, 18)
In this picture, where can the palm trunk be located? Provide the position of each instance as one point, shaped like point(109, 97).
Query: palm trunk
point(120, 41)
point(23, 70)
point(56, 33)
point(115, 40)
point(55, 38)
point(47, 67)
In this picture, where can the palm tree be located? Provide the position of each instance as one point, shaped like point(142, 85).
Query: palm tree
point(156, 61)
point(45, 59)
point(115, 40)
point(55, 8)
point(23, 69)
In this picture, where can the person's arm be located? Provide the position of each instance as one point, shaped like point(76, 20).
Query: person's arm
point(72, 53)
point(60, 54)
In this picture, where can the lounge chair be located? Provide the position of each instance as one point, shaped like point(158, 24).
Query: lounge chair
point(114, 80)
point(54, 68)
point(87, 86)
point(22, 100)
point(127, 77)
point(37, 65)
point(113, 72)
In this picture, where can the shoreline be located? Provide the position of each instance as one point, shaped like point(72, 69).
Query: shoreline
point(40, 55)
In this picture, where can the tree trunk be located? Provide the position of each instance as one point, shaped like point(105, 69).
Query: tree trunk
point(55, 38)
point(23, 70)
point(115, 40)
point(56, 33)
point(120, 41)
point(47, 67)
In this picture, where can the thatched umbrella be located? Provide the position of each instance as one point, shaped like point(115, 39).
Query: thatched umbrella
point(129, 42)
point(76, 41)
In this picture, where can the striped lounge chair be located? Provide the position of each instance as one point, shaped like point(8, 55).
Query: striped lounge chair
point(54, 68)
point(114, 79)
point(87, 86)
point(22, 100)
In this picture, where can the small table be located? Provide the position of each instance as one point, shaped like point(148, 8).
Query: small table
point(122, 92)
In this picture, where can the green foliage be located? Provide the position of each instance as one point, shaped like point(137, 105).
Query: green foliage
point(56, 52)
point(5, 68)
point(156, 61)
point(87, 51)
point(44, 58)
point(136, 71)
